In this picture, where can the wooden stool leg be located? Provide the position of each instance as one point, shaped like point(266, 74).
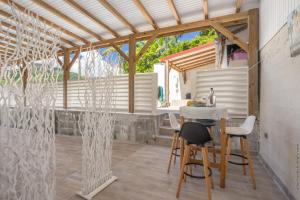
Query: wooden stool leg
point(181, 150)
point(251, 169)
point(211, 131)
point(228, 151)
point(185, 156)
point(243, 153)
point(208, 179)
point(175, 146)
point(172, 150)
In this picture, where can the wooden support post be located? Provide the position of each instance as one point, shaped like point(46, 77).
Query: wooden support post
point(24, 75)
point(223, 153)
point(253, 61)
point(66, 73)
point(184, 77)
point(167, 85)
point(227, 33)
point(131, 73)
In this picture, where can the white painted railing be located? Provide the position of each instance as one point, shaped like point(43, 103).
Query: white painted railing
point(230, 86)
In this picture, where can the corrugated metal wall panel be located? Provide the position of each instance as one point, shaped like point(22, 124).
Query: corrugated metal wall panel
point(273, 15)
point(230, 86)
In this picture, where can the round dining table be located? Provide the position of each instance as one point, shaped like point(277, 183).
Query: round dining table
point(190, 113)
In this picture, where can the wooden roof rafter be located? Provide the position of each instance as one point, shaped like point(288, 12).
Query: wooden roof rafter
point(192, 58)
point(47, 22)
point(118, 15)
point(145, 13)
point(200, 65)
point(64, 17)
point(174, 11)
point(172, 65)
point(188, 65)
point(205, 9)
point(227, 20)
point(196, 61)
point(14, 28)
point(84, 12)
point(227, 33)
point(238, 5)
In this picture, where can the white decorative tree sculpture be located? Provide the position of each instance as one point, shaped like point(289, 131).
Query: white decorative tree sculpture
point(27, 137)
point(97, 123)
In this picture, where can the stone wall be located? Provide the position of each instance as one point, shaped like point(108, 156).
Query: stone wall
point(143, 128)
point(139, 128)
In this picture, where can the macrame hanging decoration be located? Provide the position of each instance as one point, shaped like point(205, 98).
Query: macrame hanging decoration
point(96, 122)
point(27, 138)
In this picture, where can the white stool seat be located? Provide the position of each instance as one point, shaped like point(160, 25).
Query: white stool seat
point(236, 131)
point(245, 129)
point(173, 122)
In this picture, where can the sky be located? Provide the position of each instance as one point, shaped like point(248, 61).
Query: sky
point(183, 37)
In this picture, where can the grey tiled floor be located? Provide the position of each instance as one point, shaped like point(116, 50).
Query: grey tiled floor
point(141, 172)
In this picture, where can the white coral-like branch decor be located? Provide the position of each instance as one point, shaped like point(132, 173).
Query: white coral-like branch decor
point(27, 137)
point(96, 123)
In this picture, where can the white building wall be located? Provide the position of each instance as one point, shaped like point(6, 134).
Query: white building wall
point(279, 96)
point(272, 16)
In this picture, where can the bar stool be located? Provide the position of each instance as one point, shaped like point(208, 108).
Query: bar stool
point(210, 124)
point(196, 136)
point(175, 140)
point(242, 132)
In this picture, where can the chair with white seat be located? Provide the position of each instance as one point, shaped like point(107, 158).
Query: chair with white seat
point(175, 140)
point(242, 132)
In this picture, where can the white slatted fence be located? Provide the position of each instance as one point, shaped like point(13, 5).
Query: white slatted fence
point(145, 93)
point(230, 86)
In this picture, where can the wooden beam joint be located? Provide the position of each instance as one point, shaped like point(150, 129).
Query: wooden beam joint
point(227, 33)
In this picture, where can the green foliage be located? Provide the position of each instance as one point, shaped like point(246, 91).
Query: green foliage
point(162, 47)
point(73, 76)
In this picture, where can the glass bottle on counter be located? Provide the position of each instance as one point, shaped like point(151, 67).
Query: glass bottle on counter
point(211, 99)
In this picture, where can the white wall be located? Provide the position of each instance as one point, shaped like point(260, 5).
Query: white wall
point(191, 78)
point(279, 96)
point(145, 94)
point(272, 16)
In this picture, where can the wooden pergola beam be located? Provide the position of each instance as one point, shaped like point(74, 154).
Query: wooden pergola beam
point(6, 50)
point(240, 29)
point(200, 65)
point(66, 75)
point(194, 57)
point(13, 27)
point(46, 21)
point(64, 17)
point(227, 33)
point(167, 81)
point(9, 46)
point(120, 52)
point(187, 66)
point(117, 14)
point(172, 65)
point(131, 73)
point(73, 59)
point(84, 12)
point(228, 20)
point(197, 61)
point(59, 61)
point(253, 61)
point(205, 9)
point(174, 11)
point(146, 46)
point(238, 5)
point(145, 13)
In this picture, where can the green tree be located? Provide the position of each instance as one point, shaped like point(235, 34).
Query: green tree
point(162, 47)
